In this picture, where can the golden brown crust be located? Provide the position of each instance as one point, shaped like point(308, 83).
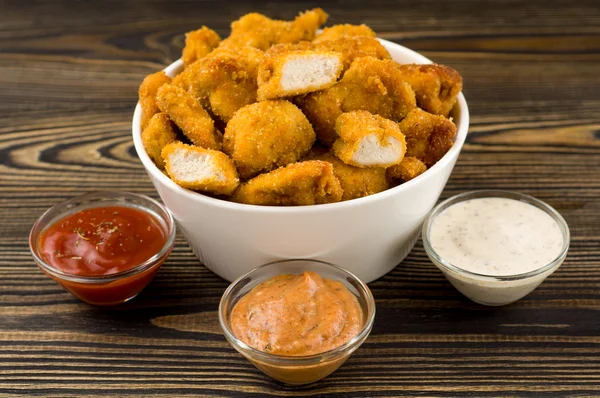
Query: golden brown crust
point(304, 27)
point(147, 95)
point(158, 133)
point(370, 84)
point(352, 47)
point(266, 135)
point(187, 80)
point(435, 86)
point(187, 113)
point(344, 31)
point(198, 44)
point(222, 179)
point(283, 48)
point(259, 31)
point(224, 81)
point(271, 74)
point(428, 137)
point(299, 184)
point(409, 168)
point(355, 182)
point(353, 127)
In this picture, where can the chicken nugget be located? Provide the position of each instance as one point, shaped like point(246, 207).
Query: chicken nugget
point(367, 140)
point(200, 169)
point(297, 72)
point(187, 113)
point(299, 184)
point(356, 182)
point(369, 84)
point(266, 135)
point(253, 29)
point(428, 137)
point(257, 30)
point(224, 81)
point(147, 95)
point(409, 168)
point(198, 44)
point(344, 31)
point(187, 80)
point(436, 86)
point(352, 47)
point(156, 136)
point(304, 27)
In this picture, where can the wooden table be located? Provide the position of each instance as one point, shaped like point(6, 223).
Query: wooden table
point(69, 73)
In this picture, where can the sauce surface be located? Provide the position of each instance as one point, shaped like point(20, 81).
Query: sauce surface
point(294, 315)
point(496, 236)
point(102, 240)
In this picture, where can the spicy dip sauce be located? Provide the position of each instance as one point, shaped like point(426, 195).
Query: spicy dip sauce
point(102, 240)
point(297, 315)
point(496, 236)
point(100, 254)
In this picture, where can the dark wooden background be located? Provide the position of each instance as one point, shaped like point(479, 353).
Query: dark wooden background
point(69, 73)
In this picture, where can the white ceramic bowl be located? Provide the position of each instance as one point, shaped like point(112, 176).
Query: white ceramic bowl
point(368, 236)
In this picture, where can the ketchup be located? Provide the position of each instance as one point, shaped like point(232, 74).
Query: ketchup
point(102, 241)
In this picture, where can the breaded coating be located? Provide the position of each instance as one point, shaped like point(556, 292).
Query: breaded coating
point(200, 169)
point(283, 48)
point(369, 84)
point(147, 95)
point(303, 27)
point(224, 81)
point(297, 72)
point(367, 140)
point(353, 47)
point(435, 86)
point(356, 182)
point(257, 30)
point(409, 168)
point(305, 183)
point(198, 44)
point(156, 136)
point(187, 113)
point(344, 31)
point(428, 137)
point(266, 135)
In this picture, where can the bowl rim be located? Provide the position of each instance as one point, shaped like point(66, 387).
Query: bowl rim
point(48, 218)
point(495, 193)
point(157, 174)
point(283, 360)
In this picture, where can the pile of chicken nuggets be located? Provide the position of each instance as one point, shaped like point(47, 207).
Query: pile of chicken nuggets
point(280, 115)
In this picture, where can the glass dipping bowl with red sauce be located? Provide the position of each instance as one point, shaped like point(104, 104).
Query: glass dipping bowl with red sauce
point(103, 247)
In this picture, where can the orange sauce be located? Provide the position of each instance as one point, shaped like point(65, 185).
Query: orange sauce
point(297, 315)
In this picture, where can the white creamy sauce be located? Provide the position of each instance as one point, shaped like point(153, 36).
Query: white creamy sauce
point(496, 236)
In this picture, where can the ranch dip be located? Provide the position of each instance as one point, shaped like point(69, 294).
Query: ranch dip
point(496, 236)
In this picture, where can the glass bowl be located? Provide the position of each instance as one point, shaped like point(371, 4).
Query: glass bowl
point(297, 370)
point(108, 289)
point(495, 290)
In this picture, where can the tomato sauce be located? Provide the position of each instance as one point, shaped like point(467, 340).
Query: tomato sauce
point(100, 242)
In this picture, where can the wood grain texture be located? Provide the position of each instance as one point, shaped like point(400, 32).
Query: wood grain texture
point(69, 73)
